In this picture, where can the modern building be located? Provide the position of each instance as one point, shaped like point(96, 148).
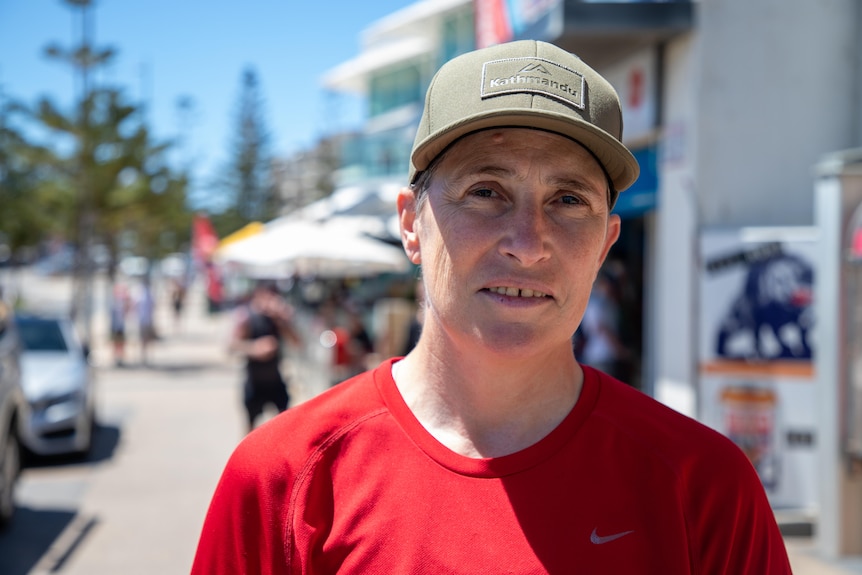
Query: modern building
point(400, 54)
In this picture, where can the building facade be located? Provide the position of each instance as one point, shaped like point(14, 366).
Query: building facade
point(400, 54)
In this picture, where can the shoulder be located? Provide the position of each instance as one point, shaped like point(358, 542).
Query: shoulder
point(279, 471)
point(274, 463)
point(297, 437)
point(730, 523)
point(253, 507)
point(686, 446)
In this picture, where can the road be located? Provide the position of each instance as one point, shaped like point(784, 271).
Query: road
point(136, 504)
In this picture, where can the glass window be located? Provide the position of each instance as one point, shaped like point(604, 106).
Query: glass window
point(394, 88)
point(41, 335)
point(458, 35)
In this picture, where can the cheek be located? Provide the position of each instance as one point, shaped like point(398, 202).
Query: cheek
point(588, 244)
point(581, 256)
point(436, 260)
point(445, 248)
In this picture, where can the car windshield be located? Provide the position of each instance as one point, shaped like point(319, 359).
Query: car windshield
point(41, 335)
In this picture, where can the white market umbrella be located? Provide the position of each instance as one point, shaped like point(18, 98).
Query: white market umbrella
point(335, 248)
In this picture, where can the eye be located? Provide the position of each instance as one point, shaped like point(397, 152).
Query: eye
point(571, 199)
point(483, 192)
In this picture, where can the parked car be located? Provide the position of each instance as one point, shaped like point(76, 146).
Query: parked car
point(59, 385)
point(11, 412)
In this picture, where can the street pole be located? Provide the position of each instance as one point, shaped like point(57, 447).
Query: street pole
point(82, 292)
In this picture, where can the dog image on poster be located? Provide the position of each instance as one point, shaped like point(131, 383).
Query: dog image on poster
point(771, 316)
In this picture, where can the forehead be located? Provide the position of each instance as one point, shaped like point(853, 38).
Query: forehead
point(518, 149)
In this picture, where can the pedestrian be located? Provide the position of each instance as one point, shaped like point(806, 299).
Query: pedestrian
point(489, 448)
point(119, 311)
point(5, 312)
point(258, 332)
point(145, 311)
point(215, 290)
point(359, 344)
point(178, 299)
point(602, 346)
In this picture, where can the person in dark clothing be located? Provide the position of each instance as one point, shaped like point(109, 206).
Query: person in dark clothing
point(258, 334)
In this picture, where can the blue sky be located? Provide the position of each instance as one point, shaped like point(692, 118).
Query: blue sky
point(170, 49)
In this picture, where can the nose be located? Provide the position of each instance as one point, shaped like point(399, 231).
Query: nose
point(526, 238)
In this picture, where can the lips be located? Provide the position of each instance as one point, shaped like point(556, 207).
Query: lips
point(515, 292)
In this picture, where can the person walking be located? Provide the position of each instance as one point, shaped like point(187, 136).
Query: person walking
point(489, 448)
point(145, 310)
point(178, 299)
point(258, 332)
point(603, 348)
point(118, 313)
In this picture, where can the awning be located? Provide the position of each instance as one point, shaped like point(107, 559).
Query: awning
point(244, 232)
point(642, 196)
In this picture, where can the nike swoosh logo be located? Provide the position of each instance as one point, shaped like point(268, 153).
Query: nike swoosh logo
point(597, 539)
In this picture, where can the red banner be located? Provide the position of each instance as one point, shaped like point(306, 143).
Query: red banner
point(492, 23)
point(204, 239)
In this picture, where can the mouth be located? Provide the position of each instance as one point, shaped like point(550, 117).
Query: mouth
point(515, 292)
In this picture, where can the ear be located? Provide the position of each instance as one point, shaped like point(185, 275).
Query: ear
point(611, 236)
point(407, 218)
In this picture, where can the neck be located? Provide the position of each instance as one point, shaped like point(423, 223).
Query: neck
point(482, 405)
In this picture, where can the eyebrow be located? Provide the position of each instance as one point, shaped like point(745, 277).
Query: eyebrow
point(504, 172)
point(490, 170)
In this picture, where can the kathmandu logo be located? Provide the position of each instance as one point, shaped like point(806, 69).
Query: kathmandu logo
point(533, 76)
point(534, 68)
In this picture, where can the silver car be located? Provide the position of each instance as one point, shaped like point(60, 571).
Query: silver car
point(58, 382)
point(11, 408)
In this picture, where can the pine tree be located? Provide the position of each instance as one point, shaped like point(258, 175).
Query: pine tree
point(116, 178)
point(248, 177)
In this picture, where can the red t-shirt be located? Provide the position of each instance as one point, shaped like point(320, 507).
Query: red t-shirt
point(350, 482)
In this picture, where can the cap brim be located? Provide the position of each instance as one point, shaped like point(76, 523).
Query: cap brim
point(619, 163)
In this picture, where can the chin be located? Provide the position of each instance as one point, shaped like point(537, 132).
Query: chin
point(515, 342)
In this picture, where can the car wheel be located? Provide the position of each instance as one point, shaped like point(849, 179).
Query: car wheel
point(10, 468)
point(87, 448)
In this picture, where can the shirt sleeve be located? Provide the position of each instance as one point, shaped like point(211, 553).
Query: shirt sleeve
point(733, 526)
point(243, 532)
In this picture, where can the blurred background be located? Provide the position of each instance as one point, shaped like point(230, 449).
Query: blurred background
point(187, 150)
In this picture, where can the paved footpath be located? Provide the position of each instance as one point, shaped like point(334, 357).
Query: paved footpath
point(166, 432)
point(805, 560)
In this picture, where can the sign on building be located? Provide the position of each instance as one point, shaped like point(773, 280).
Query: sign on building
point(757, 383)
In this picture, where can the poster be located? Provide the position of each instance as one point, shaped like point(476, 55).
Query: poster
point(756, 374)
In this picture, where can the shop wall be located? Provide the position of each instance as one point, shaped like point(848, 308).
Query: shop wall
point(777, 90)
point(752, 99)
point(672, 301)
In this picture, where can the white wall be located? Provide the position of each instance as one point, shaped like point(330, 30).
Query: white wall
point(778, 89)
point(753, 98)
point(673, 297)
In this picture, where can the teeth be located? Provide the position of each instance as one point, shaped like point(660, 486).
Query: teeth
point(513, 292)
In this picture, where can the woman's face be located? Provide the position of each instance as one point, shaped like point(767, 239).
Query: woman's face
point(514, 230)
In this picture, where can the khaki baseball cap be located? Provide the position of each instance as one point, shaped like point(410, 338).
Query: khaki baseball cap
point(524, 84)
